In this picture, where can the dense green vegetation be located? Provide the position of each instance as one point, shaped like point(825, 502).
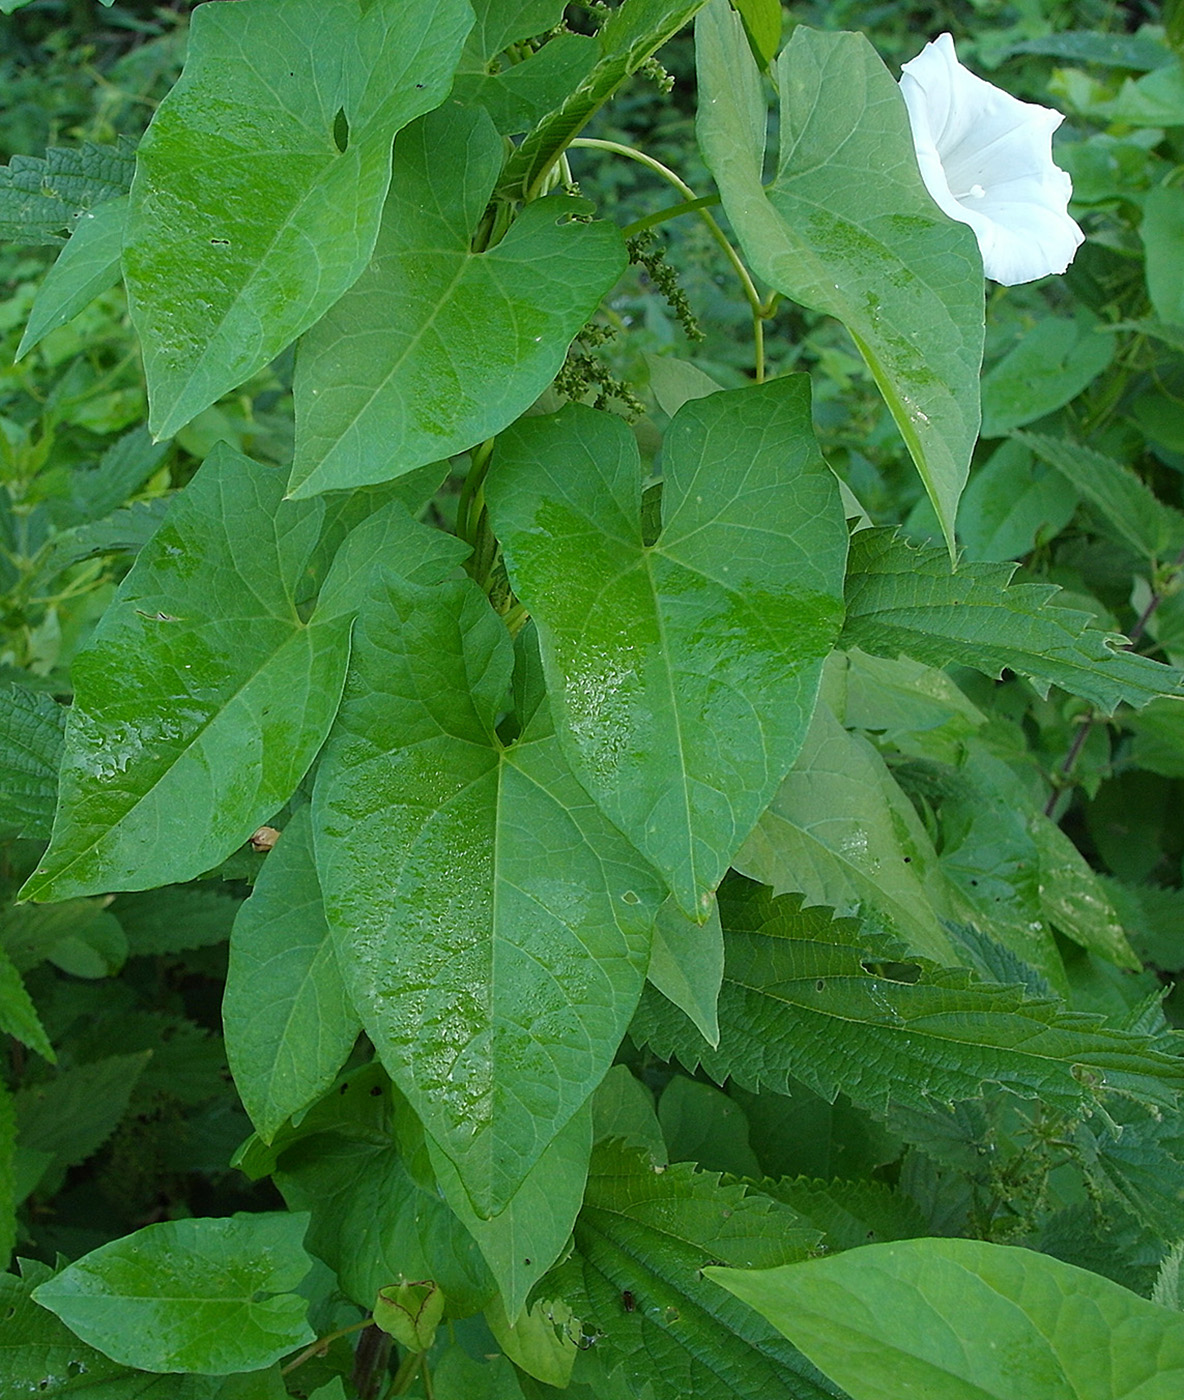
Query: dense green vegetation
point(526, 868)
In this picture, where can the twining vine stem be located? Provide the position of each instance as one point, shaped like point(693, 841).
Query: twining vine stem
point(470, 505)
point(322, 1344)
point(1087, 724)
point(692, 203)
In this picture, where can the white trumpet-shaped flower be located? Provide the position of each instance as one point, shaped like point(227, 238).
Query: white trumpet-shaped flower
point(986, 158)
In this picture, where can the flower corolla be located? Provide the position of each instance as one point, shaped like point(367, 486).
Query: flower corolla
point(986, 158)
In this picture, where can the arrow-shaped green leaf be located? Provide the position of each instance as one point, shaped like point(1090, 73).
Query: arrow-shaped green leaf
point(848, 228)
point(437, 347)
point(682, 674)
point(493, 929)
point(967, 1320)
point(260, 183)
point(202, 697)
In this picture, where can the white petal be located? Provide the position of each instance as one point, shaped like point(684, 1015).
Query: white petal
point(986, 159)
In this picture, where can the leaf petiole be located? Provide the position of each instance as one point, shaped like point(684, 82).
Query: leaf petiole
point(751, 295)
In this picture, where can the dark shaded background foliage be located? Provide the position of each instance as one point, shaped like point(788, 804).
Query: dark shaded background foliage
point(139, 1120)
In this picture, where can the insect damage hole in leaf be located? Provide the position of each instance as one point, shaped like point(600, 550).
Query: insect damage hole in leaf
point(341, 131)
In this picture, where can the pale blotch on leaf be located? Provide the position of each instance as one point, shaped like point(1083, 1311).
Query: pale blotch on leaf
point(986, 158)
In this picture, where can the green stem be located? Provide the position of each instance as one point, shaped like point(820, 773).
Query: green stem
point(322, 1344)
point(672, 211)
point(751, 295)
point(474, 480)
point(515, 617)
point(408, 1370)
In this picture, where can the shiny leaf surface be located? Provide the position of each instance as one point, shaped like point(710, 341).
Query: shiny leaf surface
point(260, 183)
point(522, 1241)
point(682, 674)
point(492, 928)
point(184, 1295)
point(848, 228)
point(395, 376)
point(202, 697)
point(967, 1320)
point(287, 1020)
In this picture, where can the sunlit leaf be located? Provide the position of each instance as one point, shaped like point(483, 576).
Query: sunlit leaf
point(847, 227)
point(260, 183)
point(682, 674)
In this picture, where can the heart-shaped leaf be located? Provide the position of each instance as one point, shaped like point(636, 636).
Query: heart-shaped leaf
point(260, 183)
point(493, 929)
point(394, 375)
point(847, 227)
point(683, 675)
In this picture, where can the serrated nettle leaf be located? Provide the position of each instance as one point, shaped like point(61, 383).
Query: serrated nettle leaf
point(72, 1114)
point(522, 1242)
point(963, 1319)
point(7, 1174)
point(492, 928)
point(121, 471)
point(1137, 1159)
point(903, 600)
point(287, 1020)
point(208, 1296)
point(202, 698)
point(807, 996)
point(849, 1213)
point(1126, 505)
point(848, 228)
point(31, 729)
point(174, 918)
point(682, 675)
point(41, 1356)
point(42, 198)
point(630, 36)
point(124, 532)
point(260, 183)
point(841, 832)
point(642, 1240)
point(18, 1015)
point(86, 267)
point(394, 375)
point(30, 934)
point(687, 964)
